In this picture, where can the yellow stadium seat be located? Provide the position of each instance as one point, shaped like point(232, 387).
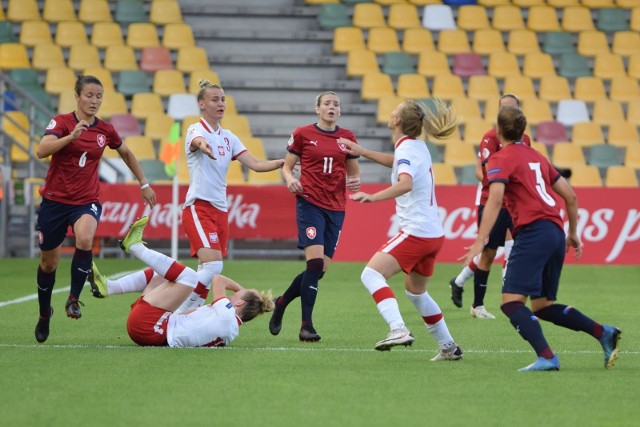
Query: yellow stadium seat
point(563, 3)
point(47, 56)
point(188, 121)
point(23, 10)
point(403, 16)
point(589, 89)
point(540, 148)
point(536, 110)
point(383, 39)
point(568, 155)
point(35, 32)
point(607, 111)
point(416, 40)
point(368, 15)
point(346, 39)
point(67, 102)
point(120, 58)
point(144, 104)
point(447, 86)
point(543, 18)
point(197, 75)
point(93, 11)
point(483, 88)
point(164, 12)
point(360, 62)
point(538, 65)
point(527, 3)
point(103, 75)
point(191, 58)
point(487, 41)
point(472, 17)
point(466, 108)
point(522, 42)
point(142, 34)
point(83, 56)
point(521, 86)
point(507, 17)
point(168, 82)
point(592, 43)
point(413, 86)
point(112, 103)
point(16, 125)
point(264, 178)
point(626, 43)
point(176, 36)
point(386, 105)
point(585, 134)
point(59, 80)
point(433, 63)
point(142, 146)
point(105, 34)
point(626, 4)
point(608, 66)
point(632, 156)
point(554, 88)
point(621, 176)
point(238, 124)
point(375, 85)
point(255, 146)
point(474, 130)
point(58, 11)
point(622, 134)
point(69, 33)
point(576, 19)
point(634, 21)
point(503, 64)
point(585, 176)
point(597, 4)
point(624, 89)
point(158, 126)
point(13, 55)
point(453, 41)
point(459, 154)
point(235, 175)
point(444, 174)
point(633, 112)
point(633, 66)
point(389, 2)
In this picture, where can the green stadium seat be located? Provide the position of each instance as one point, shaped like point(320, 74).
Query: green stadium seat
point(557, 42)
point(26, 78)
point(396, 63)
point(467, 175)
point(611, 20)
point(333, 16)
point(132, 82)
point(573, 65)
point(6, 32)
point(604, 155)
point(130, 11)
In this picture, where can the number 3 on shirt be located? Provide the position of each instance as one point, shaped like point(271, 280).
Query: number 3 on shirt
point(540, 185)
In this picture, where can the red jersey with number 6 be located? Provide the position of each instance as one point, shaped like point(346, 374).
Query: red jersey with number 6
point(323, 164)
point(528, 177)
point(73, 173)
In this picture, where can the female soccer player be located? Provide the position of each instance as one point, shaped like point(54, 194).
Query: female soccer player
point(327, 170)
point(523, 177)
point(75, 141)
point(414, 249)
point(210, 149)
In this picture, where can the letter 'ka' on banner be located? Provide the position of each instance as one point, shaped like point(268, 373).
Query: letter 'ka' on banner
point(170, 151)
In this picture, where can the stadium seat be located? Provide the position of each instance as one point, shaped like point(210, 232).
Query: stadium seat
point(503, 64)
point(112, 103)
point(131, 82)
point(255, 146)
point(586, 134)
point(47, 56)
point(168, 82)
point(368, 15)
point(633, 112)
point(164, 12)
point(572, 111)
point(632, 156)
point(26, 78)
point(375, 85)
point(182, 105)
point(264, 178)
point(158, 125)
point(634, 20)
point(197, 75)
point(536, 110)
point(472, 18)
point(59, 80)
point(527, 3)
point(467, 175)
point(58, 11)
point(507, 17)
point(69, 33)
point(188, 121)
point(551, 132)
point(235, 175)
point(573, 65)
point(23, 10)
point(67, 102)
point(597, 4)
point(333, 15)
point(412, 86)
point(554, 88)
point(543, 18)
point(397, 63)
point(621, 176)
point(438, 17)
point(540, 148)
point(458, 154)
point(176, 36)
point(589, 89)
point(6, 32)
point(238, 124)
point(141, 35)
point(557, 42)
point(585, 176)
point(120, 58)
point(83, 56)
point(624, 89)
point(386, 105)
point(16, 124)
point(538, 65)
point(433, 63)
point(346, 39)
point(474, 130)
point(633, 66)
point(153, 170)
point(105, 34)
point(435, 152)
point(382, 40)
point(360, 62)
point(403, 16)
point(126, 124)
point(626, 43)
point(13, 55)
point(522, 42)
point(483, 88)
point(592, 43)
point(145, 104)
point(468, 64)
point(622, 134)
point(447, 86)
point(467, 108)
point(33, 33)
point(487, 41)
point(94, 11)
point(607, 111)
point(102, 74)
point(608, 66)
point(491, 110)
point(128, 12)
point(191, 58)
point(142, 146)
point(444, 174)
point(155, 59)
point(604, 155)
point(453, 41)
point(519, 85)
point(576, 19)
point(611, 20)
point(567, 156)
point(416, 40)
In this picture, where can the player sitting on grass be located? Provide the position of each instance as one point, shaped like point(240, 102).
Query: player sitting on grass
point(153, 320)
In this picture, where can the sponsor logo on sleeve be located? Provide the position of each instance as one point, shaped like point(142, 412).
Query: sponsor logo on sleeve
point(493, 171)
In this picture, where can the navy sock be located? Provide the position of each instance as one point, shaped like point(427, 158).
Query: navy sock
point(569, 317)
point(80, 267)
point(528, 326)
point(480, 279)
point(292, 292)
point(45, 283)
point(309, 291)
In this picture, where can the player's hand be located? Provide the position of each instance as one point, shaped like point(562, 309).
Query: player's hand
point(353, 184)
point(472, 251)
point(361, 197)
point(350, 146)
point(82, 125)
point(149, 196)
point(279, 163)
point(207, 150)
point(294, 186)
point(573, 241)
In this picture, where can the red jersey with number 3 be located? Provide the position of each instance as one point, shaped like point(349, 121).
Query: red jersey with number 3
point(73, 173)
point(528, 177)
point(323, 164)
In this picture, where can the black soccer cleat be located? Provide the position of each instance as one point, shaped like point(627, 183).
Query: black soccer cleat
point(456, 293)
point(72, 308)
point(308, 336)
point(42, 328)
point(275, 323)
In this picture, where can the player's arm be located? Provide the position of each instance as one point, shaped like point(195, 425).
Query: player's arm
point(403, 186)
point(385, 159)
point(51, 144)
point(562, 187)
point(199, 143)
point(479, 173)
point(221, 284)
point(293, 184)
point(489, 217)
point(148, 194)
point(353, 175)
point(259, 165)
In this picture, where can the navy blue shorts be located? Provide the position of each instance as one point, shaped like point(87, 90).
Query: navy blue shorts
point(54, 218)
point(318, 226)
point(499, 230)
point(536, 261)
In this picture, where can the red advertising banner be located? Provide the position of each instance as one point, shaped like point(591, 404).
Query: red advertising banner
point(609, 219)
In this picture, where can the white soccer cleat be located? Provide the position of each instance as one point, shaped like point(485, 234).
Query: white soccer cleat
point(452, 353)
point(480, 312)
point(400, 336)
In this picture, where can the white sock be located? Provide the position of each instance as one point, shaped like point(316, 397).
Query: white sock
point(154, 259)
point(383, 296)
point(508, 245)
point(433, 318)
point(134, 282)
point(467, 272)
point(205, 274)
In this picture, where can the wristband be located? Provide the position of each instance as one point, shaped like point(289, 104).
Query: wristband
point(143, 186)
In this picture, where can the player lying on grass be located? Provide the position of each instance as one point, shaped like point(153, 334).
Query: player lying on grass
point(154, 320)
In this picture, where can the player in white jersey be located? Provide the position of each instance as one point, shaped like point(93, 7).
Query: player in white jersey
point(414, 249)
point(210, 150)
point(153, 321)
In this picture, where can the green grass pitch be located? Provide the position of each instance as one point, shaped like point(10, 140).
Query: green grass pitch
point(90, 373)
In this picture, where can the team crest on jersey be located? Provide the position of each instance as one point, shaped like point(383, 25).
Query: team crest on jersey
point(213, 237)
point(102, 140)
point(342, 147)
point(51, 124)
point(311, 232)
point(485, 153)
point(290, 142)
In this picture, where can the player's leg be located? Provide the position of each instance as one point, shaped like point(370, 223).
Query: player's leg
point(84, 221)
point(457, 283)
point(140, 281)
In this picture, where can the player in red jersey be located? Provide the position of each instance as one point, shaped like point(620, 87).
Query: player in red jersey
point(327, 171)
point(75, 141)
point(522, 176)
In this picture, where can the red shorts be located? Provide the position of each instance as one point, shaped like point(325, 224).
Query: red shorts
point(206, 227)
point(414, 253)
point(147, 325)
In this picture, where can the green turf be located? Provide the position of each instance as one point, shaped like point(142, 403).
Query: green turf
point(90, 373)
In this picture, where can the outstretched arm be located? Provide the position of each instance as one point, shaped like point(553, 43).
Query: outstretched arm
point(259, 165)
point(221, 284)
point(385, 159)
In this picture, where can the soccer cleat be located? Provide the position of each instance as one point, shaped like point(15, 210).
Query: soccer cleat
point(308, 336)
point(42, 328)
point(456, 293)
point(275, 323)
point(72, 308)
point(98, 282)
point(542, 364)
point(134, 235)
point(480, 312)
point(453, 353)
point(609, 342)
point(400, 336)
